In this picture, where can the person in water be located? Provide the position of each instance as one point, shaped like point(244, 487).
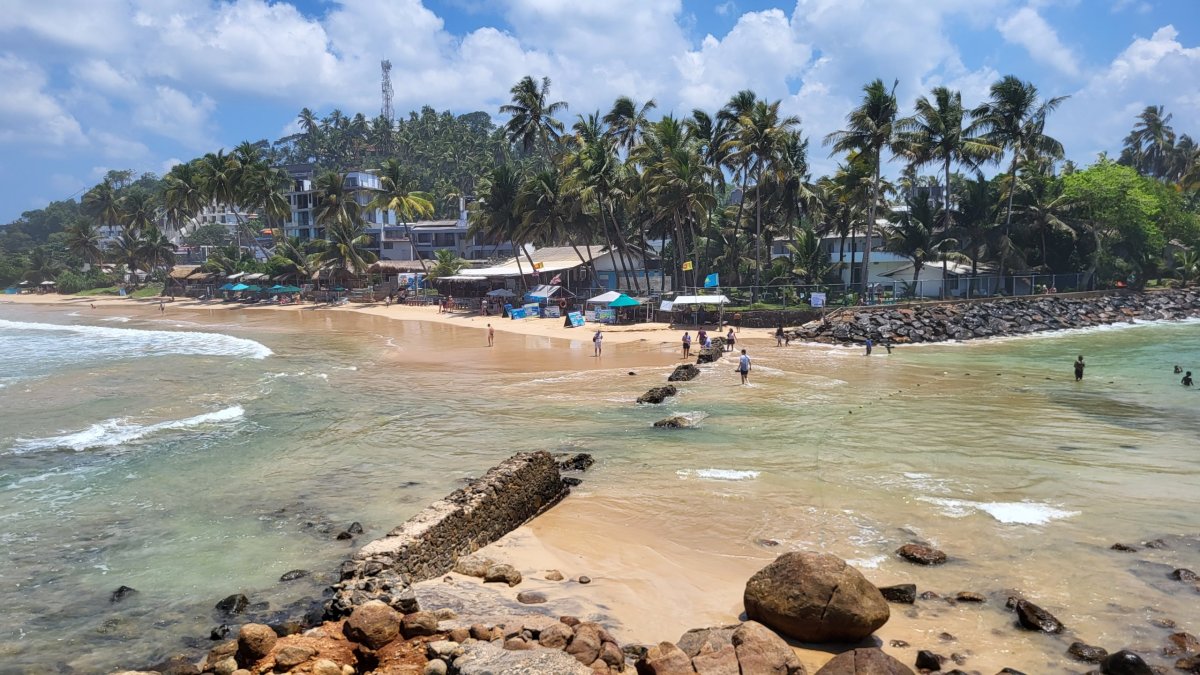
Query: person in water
point(730, 341)
point(1079, 366)
point(744, 367)
point(1187, 379)
point(1178, 370)
point(598, 342)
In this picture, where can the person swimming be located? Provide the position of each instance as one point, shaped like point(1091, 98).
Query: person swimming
point(1178, 370)
point(1079, 366)
point(1187, 379)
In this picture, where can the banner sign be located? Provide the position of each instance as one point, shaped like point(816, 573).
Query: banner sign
point(532, 309)
point(606, 315)
point(665, 306)
point(517, 314)
point(816, 299)
point(551, 312)
point(576, 319)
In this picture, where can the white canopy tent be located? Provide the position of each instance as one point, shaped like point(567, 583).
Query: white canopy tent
point(604, 298)
point(701, 300)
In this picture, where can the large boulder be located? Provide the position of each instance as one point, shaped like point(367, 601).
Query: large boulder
point(761, 651)
point(868, 661)
point(485, 658)
point(1124, 662)
point(664, 659)
point(684, 373)
point(373, 624)
point(254, 642)
point(815, 597)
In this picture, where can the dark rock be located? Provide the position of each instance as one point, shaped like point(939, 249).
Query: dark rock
point(658, 394)
point(815, 597)
point(927, 660)
point(343, 536)
point(899, 644)
point(571, 481)
point(1188, 664)
point(355, 528)
point(1032, 617)
point(1181, 643)
point(293, 575)
point(531, 597)
point(684, 373)
point(1010, 671)
point(968, 596)
point(1124, 662)
point(929, 595)
point(1086, 653)
point(1183, 574)
point(1162, 623)
point(580, 461)
point(1155, 543)
point(121, 593)
point(921, 554)
point(1123, 547)
point(903, 594)
point(867, 661)
point(176, 665)
point(674, 422)
point(584, 579)
point(220, 632)
point(234, 604)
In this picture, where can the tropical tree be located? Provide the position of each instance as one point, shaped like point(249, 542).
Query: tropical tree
point(182, 195)
point(102, 203)
point(936, 134)
point(345, 248)
point(870, 129)
point(626, 122)
point(533, 123)
point(446, 264)
point(1187, 266)
point(912, 234)
point(83, 242)
point(41, 266)
point(1014, 120)
point(407, 204)
point(1149, 148)
point(496, 217)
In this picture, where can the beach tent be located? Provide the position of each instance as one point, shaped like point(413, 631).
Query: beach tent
point(47, 283)
point(543, 292)
point(501, 293)
point(290, 289)
point(235, 277)
point(701, 300)
point(624, 301)
point(605, 298)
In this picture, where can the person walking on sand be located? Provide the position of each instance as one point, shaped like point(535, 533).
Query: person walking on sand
point(598, 341)
point(1187, 379)
point(491, 335)
point(779, 336)
point(730, 341)
point(161, 306)
point(1079, 366)
point(744, 367)
point(687, 344)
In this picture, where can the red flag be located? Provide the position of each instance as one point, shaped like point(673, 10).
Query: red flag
point(556, 280)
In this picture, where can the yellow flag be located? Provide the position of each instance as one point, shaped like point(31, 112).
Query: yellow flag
point(687, 266)
point(538, 265)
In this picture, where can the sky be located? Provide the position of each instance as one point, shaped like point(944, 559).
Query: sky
point(92, 85)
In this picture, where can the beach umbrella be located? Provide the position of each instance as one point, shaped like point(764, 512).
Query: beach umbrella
point(239, 287)
point(226, 287)
point(277, 288)
point(624, 301)
point(290, 289)
point(252, 287)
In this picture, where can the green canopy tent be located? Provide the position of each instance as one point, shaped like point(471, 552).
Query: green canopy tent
point(623, 300)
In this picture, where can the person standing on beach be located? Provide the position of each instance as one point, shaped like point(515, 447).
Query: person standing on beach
point(598, 341)
point(869, 345)
point(779, 336)
point(491, 335)
point(161, 306)
point(730, 341)
point(737, 321)
point(1187, 379)
point(744, 367)
point(687, 344)
point(1079, 366)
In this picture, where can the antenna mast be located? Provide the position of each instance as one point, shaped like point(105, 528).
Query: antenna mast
point(386, 111)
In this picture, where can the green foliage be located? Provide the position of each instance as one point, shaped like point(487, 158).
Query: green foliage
point(1125, 213)
point(77, 282)
point(210, 234)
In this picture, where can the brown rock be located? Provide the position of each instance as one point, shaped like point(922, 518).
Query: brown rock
point(293, 655)
point(1087, 653)
point(225, 666)
point(723, 661)
point(418, 624)
point(473, 566)
point(459, 634)
point(868, 661)
point(921, 554)
point(815, 597)
point(481, 632)
point(611, 654)
point(1181, 643)
point(254, 642)
point(502, 573)
point(1183, 574)
point(665, 659)
point(220, 652)
point(715, 638)
point(968, 596)
point(555, 636)
point(585, 643)
point(373, 624)
point(554, 575)
point(1032, 617)
point(759, 650)
point(531, 597)
point(517, 644)
point(569, 620)
point(326, 667)
point(901, 594)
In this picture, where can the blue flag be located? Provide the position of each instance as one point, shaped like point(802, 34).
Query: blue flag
point(712, 281)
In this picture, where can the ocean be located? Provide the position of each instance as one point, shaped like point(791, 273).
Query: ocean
point(206, 453)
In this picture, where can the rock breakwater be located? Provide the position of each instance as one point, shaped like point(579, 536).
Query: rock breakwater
point(939, 322)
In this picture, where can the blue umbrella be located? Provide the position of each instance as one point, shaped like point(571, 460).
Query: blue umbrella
point(226, 287)
point(239, 287)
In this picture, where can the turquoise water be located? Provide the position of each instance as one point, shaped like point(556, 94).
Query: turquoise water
point(207, 453)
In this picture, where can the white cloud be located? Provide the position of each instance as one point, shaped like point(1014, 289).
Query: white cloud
point(171, 113)
point(119, 148)
point(727, 8)
point(27, 112)
point(166, 166)
point(1028, 29)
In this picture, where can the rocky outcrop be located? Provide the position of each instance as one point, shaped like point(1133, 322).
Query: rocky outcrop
point(748, 647)
point(711, 354)
point(684, 373)
point(937, 322)
point(657, 395)
point(903, 594)
point(815, 597)
point(429, 544)
point(674, 422)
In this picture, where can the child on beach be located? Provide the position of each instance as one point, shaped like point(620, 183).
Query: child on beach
point(491, 335)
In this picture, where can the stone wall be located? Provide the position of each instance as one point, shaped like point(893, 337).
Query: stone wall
point(774, 318)
point(429, 543)
point(938, 322)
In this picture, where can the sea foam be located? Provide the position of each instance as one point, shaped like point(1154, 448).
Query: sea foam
point(137, 342)
point(717, 474)
point(114, 432)
point(1011, 513)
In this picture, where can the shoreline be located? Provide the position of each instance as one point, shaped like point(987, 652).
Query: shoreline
point(554, 539)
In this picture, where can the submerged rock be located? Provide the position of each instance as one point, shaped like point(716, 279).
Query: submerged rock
point(921, 554)
point(293, 575)
point(233, 604)
point(1032, 617)
point(657, 395)
point(1086, 653)
point(902, 594)
point(684, 373)
point(815, 597)
point(579, 461)
point(122, 593)
point(674, 422)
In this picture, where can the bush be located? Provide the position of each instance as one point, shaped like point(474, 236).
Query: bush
point(71, 281)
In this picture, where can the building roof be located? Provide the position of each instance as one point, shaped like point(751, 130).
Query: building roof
point(183, 271)
point(955, 268)
point(552, 259)
point(434, 223)
point(394, 266)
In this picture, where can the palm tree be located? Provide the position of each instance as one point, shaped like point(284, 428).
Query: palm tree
point(139, 211)
point(808, 260)
point(103, 204)
point(182, 195)
point(1045, 211)
point(870, 128)
point(1149, 147)
point(446, 264)
point(1187, 266)
point(912, 235)
point(41, 266)
point(344, 248)
point(936, 134)
point(155, 250)
point(533, 121)
point(626, 122)
point(406, 204)
point(83, 241)
point(595, 174)
point(1014, 120)
point(496, 217)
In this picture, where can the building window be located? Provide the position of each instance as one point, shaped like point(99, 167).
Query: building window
point(388, 245)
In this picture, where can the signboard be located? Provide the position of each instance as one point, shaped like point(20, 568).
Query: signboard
point(590, 315)
point(665, 306)
point(816, 299)
point(517, 313)
point(606, 315)
point(532, 309)
point(551, 312)
point(576, 319)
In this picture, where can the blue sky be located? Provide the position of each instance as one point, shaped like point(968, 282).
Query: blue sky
point(92, 85)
